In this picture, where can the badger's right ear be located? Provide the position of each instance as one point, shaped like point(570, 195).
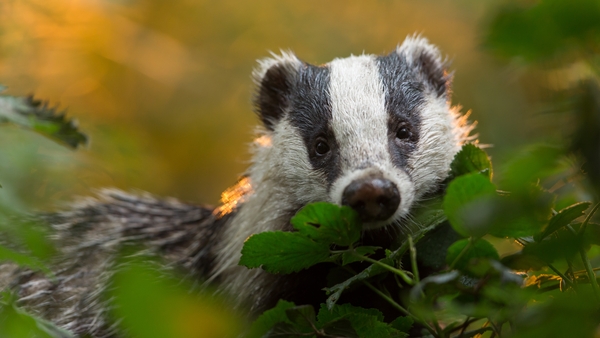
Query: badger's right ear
point(275, 78)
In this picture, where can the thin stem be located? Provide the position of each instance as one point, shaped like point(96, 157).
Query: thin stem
point(400, 308)
point(587, 218)
point(562, 275)
point(588, 265)
point(590, 273)
point(413, 259)
point(385, 266)
point(462, 253)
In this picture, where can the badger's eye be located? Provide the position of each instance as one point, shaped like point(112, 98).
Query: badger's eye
point(403, 133)
point(321, 148)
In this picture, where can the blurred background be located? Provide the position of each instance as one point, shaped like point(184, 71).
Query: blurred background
point(163, 88)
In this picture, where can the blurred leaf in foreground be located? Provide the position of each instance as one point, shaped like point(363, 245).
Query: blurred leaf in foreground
point(154, 305)
point(546, 29)
point(35, 115)
point(16, 323)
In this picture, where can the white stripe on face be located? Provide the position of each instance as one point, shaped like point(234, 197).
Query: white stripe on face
point(359, 116)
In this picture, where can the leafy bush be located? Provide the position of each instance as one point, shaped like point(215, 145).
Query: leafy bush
point(476, 291)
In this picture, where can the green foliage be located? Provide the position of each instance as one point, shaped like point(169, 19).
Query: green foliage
point(461, 252)
point(151, 304)
point(14, 322)
point(474, 284)
point(287, 319)
point(328, 223)
point(283, 252)
point(545, 29)
point(37, 116)
point(466, 202)
point(471, 159)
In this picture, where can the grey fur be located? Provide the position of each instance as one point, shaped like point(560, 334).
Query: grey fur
point(355, 105)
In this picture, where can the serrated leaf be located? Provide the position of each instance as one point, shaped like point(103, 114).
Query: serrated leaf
point(327, 315)
point(479, 248)
point(467, 202)
point(348, 257)
point(282, 252)
point(39, 117)
point(471, 159)
point(330, 223)
point(302, 317)
point(563, 218)
point(402, 324)
point(269, 318)
point(369, 327)
point(368, 323)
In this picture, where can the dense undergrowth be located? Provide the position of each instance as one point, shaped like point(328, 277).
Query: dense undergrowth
point(525, 237)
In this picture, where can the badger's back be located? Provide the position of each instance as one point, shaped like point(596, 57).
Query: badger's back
point(89, 238)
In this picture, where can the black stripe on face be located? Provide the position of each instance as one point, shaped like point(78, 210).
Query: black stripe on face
point(404, 95)
point(310, 114)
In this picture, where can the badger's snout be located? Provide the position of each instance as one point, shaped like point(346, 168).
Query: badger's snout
point(375, 199)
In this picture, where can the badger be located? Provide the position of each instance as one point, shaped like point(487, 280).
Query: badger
point(376, 133)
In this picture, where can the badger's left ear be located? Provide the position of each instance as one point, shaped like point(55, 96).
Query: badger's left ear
point(426, 60)
point(275, 78)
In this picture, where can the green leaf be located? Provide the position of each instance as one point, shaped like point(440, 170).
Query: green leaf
point(151, 304)
point(466, 204)
point(564, 245)
point(566, 314)
point(330, 223)
point(269, 318)
point(15, 322)
point(326, 315)
point(283, 252)
point(530, 165)
point(471, 159)
point(402, 324)
point(479, 248)
point(367, 323)
point(348, 257)
point(522, 213)
point(542, 30)
point(37, 116)
point(428, 214)
point(369, 327)
point(302, 317)
point(20, 259)
point(563, 218)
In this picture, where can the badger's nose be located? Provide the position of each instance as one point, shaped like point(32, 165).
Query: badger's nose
point(375, 199)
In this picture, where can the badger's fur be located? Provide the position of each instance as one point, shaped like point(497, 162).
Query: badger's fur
point(377, 133)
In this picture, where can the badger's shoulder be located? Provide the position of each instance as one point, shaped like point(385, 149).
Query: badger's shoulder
point(89, 237)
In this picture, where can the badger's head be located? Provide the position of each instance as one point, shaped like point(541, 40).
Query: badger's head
point(376, 133)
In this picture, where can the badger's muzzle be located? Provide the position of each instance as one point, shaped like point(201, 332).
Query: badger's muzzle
point(375, 199)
